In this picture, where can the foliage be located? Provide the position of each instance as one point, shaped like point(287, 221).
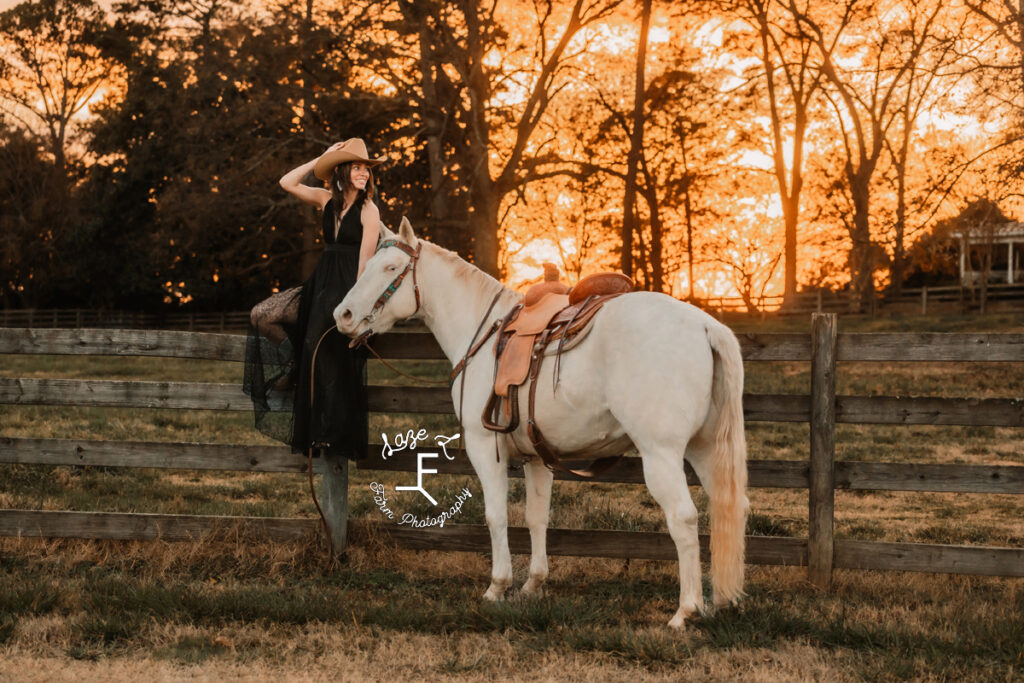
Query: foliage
point(785, 145)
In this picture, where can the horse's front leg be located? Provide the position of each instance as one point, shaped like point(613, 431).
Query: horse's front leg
point(493, 476)
point(538, 508)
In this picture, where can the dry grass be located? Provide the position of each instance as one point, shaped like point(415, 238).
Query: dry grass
point(231, 608)
point(222, 608)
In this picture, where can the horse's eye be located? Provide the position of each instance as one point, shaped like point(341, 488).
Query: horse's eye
point(392, 269)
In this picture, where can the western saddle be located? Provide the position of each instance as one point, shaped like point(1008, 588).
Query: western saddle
point(551, 311)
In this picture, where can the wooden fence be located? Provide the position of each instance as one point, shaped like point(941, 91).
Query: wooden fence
point(821, 473)
point(913, 300)
point(78, 318)
point(923, 300)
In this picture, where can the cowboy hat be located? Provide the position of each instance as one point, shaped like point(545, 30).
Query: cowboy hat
point(353, 149)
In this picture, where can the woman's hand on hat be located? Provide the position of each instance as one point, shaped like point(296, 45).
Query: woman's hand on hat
point(336, 145)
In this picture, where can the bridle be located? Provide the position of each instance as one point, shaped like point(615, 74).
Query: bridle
point(389, 291)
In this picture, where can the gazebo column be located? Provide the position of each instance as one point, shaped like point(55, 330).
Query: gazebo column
point(1009, 263)
point(963, 262)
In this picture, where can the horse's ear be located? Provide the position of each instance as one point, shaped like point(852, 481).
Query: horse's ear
point(386, 234)
point(405, 233)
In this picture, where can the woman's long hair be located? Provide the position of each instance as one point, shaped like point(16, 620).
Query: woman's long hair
point(341, 179)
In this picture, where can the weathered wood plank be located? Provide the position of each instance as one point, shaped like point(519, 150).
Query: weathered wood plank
point(640, 545)
point(762, 473)
point(160, 455)
point(411, 345)
point(821, 497)
point(776, 407)
point(181, 344)
point(103, 342)
point(234, 457)
point(994, 412)
point(475, 538)
point(452, 537)
point(195, 396)
point(775, 347)
point(885, 476)
point(414, 341)
point(916, 557)
point(850, 475)
point(127, 526)
point(931, 346)
point(209, 396)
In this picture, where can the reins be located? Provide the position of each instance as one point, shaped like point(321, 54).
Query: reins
point(369, 348)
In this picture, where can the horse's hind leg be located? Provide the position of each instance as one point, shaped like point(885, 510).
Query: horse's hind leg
point(663, 473)
point(538, 507)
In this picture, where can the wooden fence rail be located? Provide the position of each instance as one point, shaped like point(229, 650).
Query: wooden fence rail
point(911, 300)
point(821, 473)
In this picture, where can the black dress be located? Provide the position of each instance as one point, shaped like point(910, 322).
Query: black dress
point(334, 415)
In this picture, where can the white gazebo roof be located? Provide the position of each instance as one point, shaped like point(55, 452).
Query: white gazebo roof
point(1002, 232)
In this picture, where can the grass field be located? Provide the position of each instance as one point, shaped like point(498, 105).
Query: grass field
point(237, 607)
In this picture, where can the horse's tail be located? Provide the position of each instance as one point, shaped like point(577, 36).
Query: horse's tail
point(728, 467)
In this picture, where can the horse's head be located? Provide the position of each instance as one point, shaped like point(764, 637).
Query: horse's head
point(387, 291)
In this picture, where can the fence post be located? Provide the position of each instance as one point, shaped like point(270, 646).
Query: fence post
point(924, 300)
point(823, 448)
point(334, 493)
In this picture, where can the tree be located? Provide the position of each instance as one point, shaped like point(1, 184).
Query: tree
point(53, 67)
point(868, 101)
point(32, 225)
point(790, 83)
point(489, 110)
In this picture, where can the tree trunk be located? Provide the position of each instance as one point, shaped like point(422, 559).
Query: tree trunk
point(636, 141)
point(657, 230)
point(901, 223)
point(791, 215)
point(861, 266)
point(791, 203)
point(433, 120)
point(483, 194)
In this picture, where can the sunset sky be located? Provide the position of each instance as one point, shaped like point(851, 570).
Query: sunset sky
point(913, 113)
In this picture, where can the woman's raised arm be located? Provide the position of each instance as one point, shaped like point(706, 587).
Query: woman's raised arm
point(292, 182)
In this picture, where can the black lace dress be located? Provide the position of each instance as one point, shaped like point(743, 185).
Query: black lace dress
point(332, 416)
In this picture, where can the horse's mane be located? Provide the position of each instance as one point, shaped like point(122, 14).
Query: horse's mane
point(478, 280)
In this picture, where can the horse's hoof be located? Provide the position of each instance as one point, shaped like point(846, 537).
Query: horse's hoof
point(532, 589)
point(494, 594)
point(682, 614)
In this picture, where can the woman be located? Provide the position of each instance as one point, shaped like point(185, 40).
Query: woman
point(293, 343)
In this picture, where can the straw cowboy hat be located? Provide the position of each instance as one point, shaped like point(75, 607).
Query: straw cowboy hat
point(353, 149)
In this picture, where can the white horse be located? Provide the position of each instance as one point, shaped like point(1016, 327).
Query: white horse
point(653, 372)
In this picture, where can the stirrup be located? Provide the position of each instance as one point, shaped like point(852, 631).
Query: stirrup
point(493, 409)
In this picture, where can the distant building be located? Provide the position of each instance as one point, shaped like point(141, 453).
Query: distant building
point(1006, 242)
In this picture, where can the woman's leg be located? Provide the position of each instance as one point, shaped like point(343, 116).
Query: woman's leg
point(268, 315)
